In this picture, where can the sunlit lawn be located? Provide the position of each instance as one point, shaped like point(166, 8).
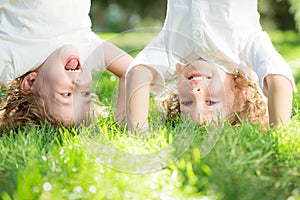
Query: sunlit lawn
point(105, 162)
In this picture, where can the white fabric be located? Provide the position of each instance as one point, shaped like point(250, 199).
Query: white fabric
point(2, 2)
point(226, 33)
point(30, 30)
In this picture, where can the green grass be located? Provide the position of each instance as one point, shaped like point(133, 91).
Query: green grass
point(105, 162)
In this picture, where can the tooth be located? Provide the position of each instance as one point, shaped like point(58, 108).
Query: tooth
point(197, 78)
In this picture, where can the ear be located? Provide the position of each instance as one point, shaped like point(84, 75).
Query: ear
point(28, 83)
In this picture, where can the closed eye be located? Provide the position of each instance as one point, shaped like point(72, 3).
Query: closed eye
point(187, 103)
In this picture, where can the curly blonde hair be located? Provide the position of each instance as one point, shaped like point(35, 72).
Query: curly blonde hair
point(253, 107)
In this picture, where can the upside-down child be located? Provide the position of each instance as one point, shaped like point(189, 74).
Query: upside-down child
point(219, 51)
point(48, 52)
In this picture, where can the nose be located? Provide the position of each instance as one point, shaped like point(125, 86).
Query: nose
point(197, 90)
point(81, 81)
point(81, 77)
point(198, 86)
point(76, 81)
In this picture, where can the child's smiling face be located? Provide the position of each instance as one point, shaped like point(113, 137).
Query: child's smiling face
point(66, 85)
point(206, 93)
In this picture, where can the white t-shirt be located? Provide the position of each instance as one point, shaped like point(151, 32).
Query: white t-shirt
point(30, 30)
point(226, 33)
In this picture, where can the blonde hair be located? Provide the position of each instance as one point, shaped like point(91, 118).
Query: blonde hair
point(253, 107)
point(19, 109)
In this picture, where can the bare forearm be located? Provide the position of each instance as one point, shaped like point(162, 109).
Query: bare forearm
point(120, 106)
point(117, 62)
point(138, 84)
point(280, 94)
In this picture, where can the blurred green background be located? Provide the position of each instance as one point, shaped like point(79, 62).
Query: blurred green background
point(122, 15)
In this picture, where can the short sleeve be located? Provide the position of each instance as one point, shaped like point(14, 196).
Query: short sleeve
point(93, 55)
point(158, 56)
point(265, 59)
point(95, 60)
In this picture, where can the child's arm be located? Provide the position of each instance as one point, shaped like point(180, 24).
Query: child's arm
point(138, 81)
point(279, 92)
point(117, 62)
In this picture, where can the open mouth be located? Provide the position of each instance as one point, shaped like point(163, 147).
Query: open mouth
point(73, 64)
point(196, 77)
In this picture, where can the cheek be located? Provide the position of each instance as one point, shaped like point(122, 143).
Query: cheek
point(190, 113)
point(51, 76)
point(42, 85)
point(82, 113)
point(217, 88)
point(180, 85)
point(231, 102)
point(85, 77)
point(183, 90)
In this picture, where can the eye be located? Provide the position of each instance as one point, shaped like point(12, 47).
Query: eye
point(187, 103)
point(210, 103)
point(67, 94)
point(86, 93)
